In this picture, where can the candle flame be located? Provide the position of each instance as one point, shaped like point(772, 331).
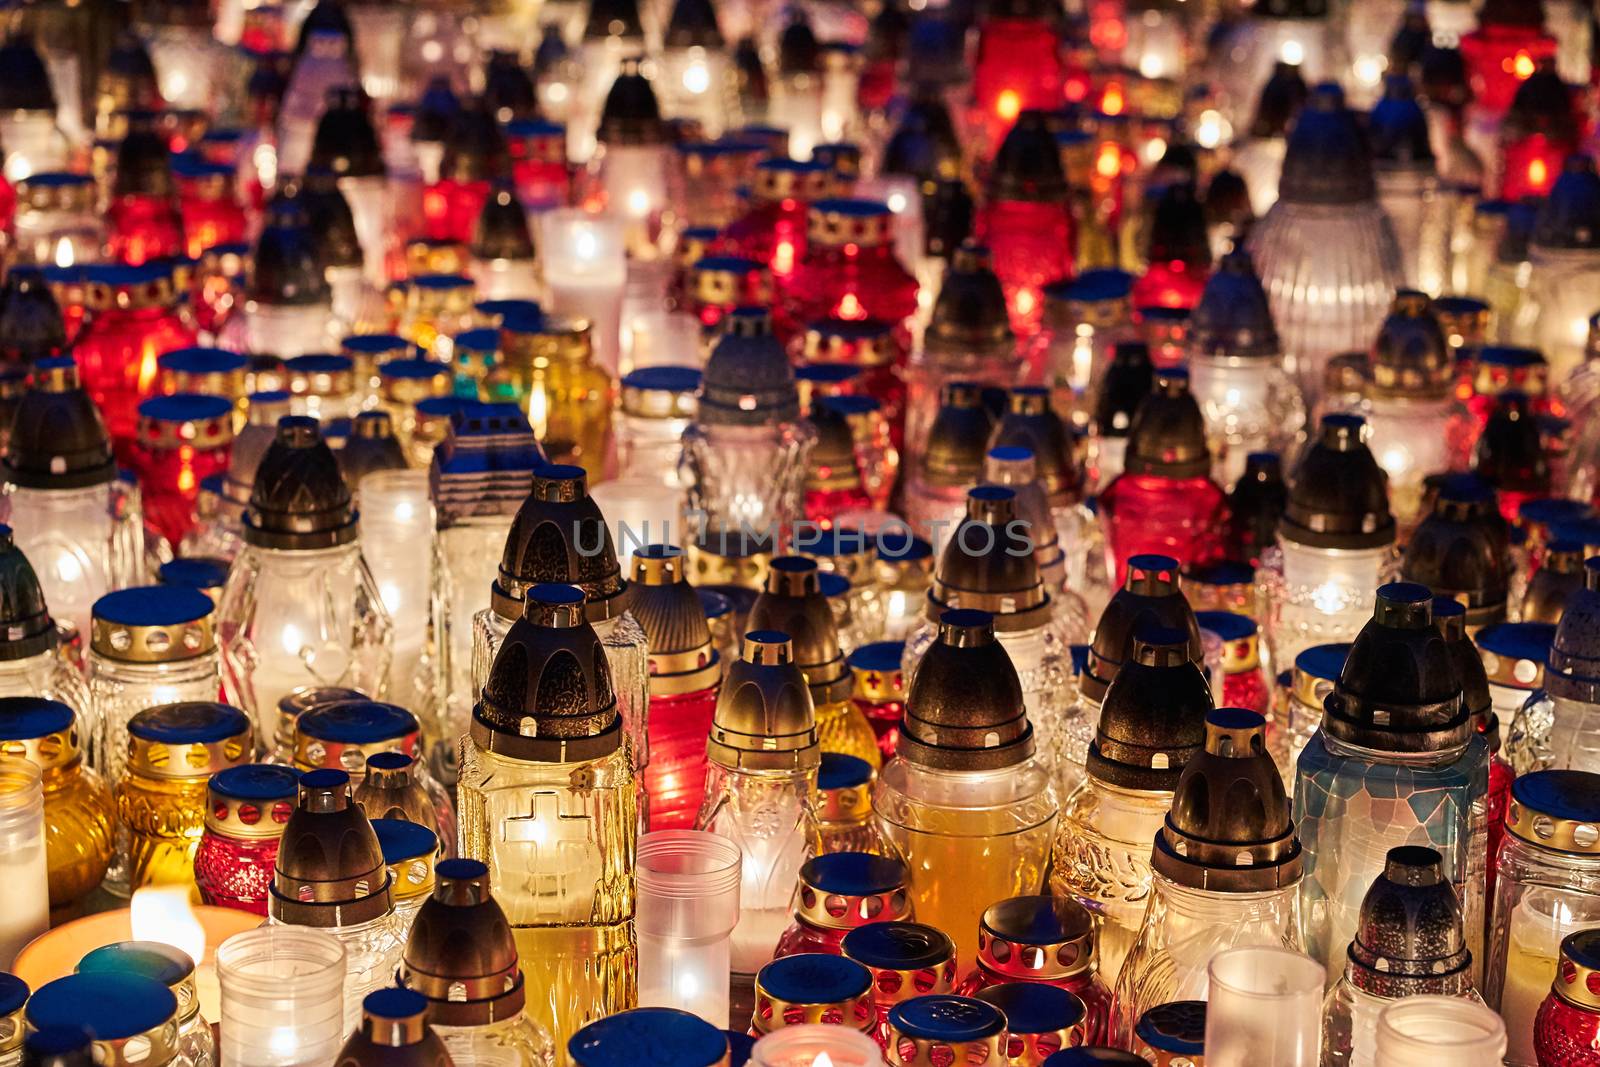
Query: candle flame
point(1008, 107)
point(64, 253)
point(162, 913)
point(822, 1060)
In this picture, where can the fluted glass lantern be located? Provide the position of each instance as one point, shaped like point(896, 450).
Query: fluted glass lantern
point(1563, 282)
point(32, 661)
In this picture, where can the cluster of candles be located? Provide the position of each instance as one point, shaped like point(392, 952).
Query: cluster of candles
point(827, 534)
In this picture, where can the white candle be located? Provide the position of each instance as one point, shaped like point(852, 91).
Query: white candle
point(816, 1045)
point(688, 884)
point(585, 273)
point(24, 889)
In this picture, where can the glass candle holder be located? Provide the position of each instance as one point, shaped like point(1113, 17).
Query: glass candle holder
point(585, 273)
point(839, 892)
point(1417, 1031)
point(77, 803)
point(549, 367)
point(282, 997)
point(173, 968)
point(1265, 1005)
point(182, 439)
point(55, 222)
point(25, 892)
point(844, 805)
point(161, 803)
point(803, 1044)
point(906, 960)
point(688, 885)
point(397, 531)
point(812, 987)
point(247, 808)
point(1564, 1030)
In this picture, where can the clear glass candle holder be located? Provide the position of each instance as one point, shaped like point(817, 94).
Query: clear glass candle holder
point(1265, 1007)
point(688, 905)
point(807, 1044)
point(282, 997)
point(24, 883)
point(1428, 1030)
point(397, 526)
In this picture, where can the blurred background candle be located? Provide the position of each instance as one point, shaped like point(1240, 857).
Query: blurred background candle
point(688, 884)
point(397, 526)
point(585, 272)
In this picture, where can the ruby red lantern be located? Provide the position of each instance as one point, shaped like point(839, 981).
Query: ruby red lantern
point(1027, 220)
point(211, 213)
point(1019, 67)
point(1540, 131)
point(1566, 1032)
point(183, 439)
point(143, 216)
point(246, 811)
point(475, 156)
point(1504, 51)
point(1244, 683)
point(773, 229)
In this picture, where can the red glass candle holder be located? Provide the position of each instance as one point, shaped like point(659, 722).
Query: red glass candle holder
point(210, 212)
point(906, 960)
point(773, 229)
point(1151, 513)
point(1566, 1031)
point(539, 169)
point(1244, 683)
point(134, 319)
point(1019, 68)
point(1500, 56)
point(143, 227)
point(849, 272)
point(880, 691)
point(840, 892)
point(247, 809)
point(877, 347)
point(183, 439)
point(675, 777)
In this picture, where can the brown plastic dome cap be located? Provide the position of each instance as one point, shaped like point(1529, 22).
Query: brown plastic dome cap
point(792, 602)
point(299, 501)
point(1229, 829)
point(965, 709)
point(1150, 596)
point(560, 536)
point(1409, 937)
point(764, 719)
point(989, 564)
point(330, 870)
point(460, 953)
point(1153, 720)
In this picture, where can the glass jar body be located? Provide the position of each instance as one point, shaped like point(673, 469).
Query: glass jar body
point(568, 403)
point(372, 952)
point(934, 364)
point(1249, 405)
point(1088, 985)
point(1319, 596)
point(1032, 243)
point(235, 872)
point(83, 543)
point(1350, 1023)
point(650, 448)
point(969, 838)
point(1102, 860)
point(842, 728)
point(559, 841)
point(300, 618)
point(676, 776)
point(1541, 896)
point(747, 475)
point(514, 1042)
point(163, 819)
point(1413, 438)
point(282, 330)
point(169, 485)
point(466, 562)
point(771, 816)
point(79, 812)
point(46, 237)
point(1565, 1035)
point(116, 356)
point(1561, 283)
point(1352, 805)
point(853, 282)
point(49, 675)
point(1551, 732)
point(1178, 517)
point(802, 936)
point(1183, 928)
point(121, 690)
point(1419, 211)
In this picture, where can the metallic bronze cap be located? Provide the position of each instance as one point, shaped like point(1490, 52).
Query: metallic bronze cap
point(1030, 422)
point(924, 1030)
point(1398, 691)
point(958, 437)
point(732, 557)
point(1340, 496)
point(1511, 454)
point(252, 800)
point(1409, 937)
point(1232, 319)
point(1015, 467)
point(153, 624)
point(559, 536)
point(370, 448)
point(299, 500)
point(549, 697)
point(989, 564)
point(460, 954)
point(844, 890)
point(831, 467)
point(970, 312)
point(390, 789)
point(1411, 357)
point(813, 987)
point(1168, 434)
point(57, 440)
point(844, 791)
point(26, 628)
point(394, 1033)
point(747, 379)
point(793, 603)
point(1229, 829)
point(1460, 550)
point(683, 658)
point(965, 711)
point(1027, 165)
point(906, 959)
point(1153, 719)
point(764, 718)
point(1556, 810)
point(330, 870)
point(1150, 596)
point(1036, 939)
point(1578, 976)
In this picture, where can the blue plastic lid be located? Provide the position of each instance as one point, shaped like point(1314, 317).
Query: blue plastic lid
point(740, 1046)
point(1094, 1056)
point(850, 405)
point(666, 1037)
point(1510, 356)
point(268, 397)
point(13, 993)
point(966, 618)
point(663, 379)
point(523, 318)
point(442, 281)
point(1236, 718)
point(55, 1044)
point(462, 869)
point(555, 593)
point(196, 722)
point(1548, 510)
point(827, 373)
point(898, 946)
point(194, 572)
point(729, 264)
point(783, 163)
point(1011, 453)
point(389, 761)
point(394, 1003)
point(61, 179)
point(443, 406)
point(324, 778)
point(401, 840)
point(853, 874)
point(1583, 948)
point(212, 484)
point(1322, 661)
point(413, 369)
point(882, 656)
point(375, 344)
point(185, 407)
point(1093, 286)
point(1583, 531)
point(1517, 640)
point(118, 275)
point(203, 361)
point(713, 603)
point(832, 585)
point(482, 339)
point(259, 782)
point(839, 771)
point(814, 978)
point(1177, 1028)
point(1035, 1008)
point(1572, 796)
point(946, 1017)
point(533, 128)
point(1223, 572)
point(153, 605)
point(152, 959)
point(1226, 624)
point(111, 1006)
point(837, 541)
point(357, 722)
point(1080, 658)
point(494, 309)
point(320, 363)
point(25, 718)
